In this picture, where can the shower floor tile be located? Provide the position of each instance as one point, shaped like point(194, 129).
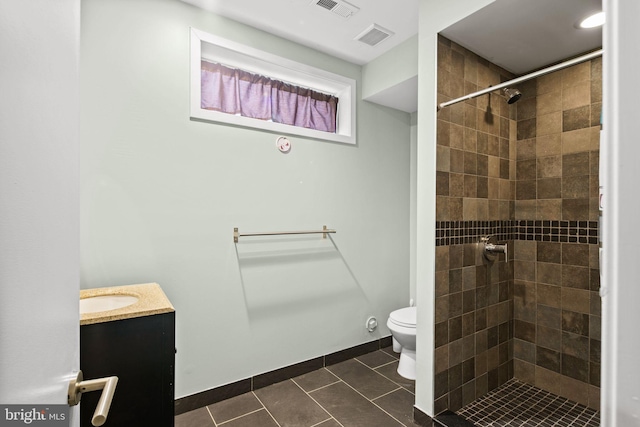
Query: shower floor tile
point(520, 404)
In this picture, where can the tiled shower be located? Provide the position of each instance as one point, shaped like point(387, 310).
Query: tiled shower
point(526, 173)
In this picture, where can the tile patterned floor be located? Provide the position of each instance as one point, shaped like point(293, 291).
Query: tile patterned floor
point(362, 392)
point(368, 392)
point(519, 404)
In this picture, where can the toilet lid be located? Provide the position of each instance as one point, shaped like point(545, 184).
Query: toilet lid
point(404, 317)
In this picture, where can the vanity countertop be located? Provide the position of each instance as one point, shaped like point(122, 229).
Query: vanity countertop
point(151, 300)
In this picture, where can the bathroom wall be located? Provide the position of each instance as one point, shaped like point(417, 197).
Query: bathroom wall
point(557, 305)
point(531, 178)
point(390, 69)
point(413, 169)
point(39, 254)
point(620, 177)
point(431, 22)
point(161, 194)
point(474, 187)
point(391, 79)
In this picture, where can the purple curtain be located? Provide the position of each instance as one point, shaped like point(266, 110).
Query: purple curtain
point(234, 91)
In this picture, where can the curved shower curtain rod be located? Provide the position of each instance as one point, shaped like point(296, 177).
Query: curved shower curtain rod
point(524, 78)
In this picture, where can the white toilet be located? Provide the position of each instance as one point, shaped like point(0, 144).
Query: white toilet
point(402, 324)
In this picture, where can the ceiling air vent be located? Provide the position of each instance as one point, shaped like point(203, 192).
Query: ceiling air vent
point(373, 35)
point(339, 7)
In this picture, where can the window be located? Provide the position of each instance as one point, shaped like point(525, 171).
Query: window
point(235, 91)
point(236, 84)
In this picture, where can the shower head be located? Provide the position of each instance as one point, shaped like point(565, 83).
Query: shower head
point(511, 95)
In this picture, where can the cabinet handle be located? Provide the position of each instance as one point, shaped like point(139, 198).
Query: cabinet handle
point(108, 386)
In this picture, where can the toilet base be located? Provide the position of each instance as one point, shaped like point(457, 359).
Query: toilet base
point(407, 365)
point(396, 345)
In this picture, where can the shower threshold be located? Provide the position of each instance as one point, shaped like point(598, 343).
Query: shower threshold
point(516, 403)
point(450, 419)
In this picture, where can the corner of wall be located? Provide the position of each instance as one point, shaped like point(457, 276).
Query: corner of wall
point(391, 71)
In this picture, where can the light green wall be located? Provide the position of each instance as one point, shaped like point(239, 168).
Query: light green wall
point(160, 195)
point(391, 68)
point(434, 17)
point(412, 210)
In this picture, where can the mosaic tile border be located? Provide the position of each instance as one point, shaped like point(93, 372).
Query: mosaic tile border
point(460, 232)
point(520, 404)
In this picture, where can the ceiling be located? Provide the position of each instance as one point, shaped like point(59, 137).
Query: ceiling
point(305, 22)
point(525, 35)
point(518, 35)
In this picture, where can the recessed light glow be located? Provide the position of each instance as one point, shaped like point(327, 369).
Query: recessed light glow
point(595, 20)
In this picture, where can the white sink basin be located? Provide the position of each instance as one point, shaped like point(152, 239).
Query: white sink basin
point(106, 303)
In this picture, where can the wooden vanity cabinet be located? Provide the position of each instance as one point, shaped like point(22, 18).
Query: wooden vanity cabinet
point(140, 351)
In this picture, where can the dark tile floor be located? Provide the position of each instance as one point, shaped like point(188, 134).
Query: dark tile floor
point(519, 404)
point(368, 392)
point(362, 392)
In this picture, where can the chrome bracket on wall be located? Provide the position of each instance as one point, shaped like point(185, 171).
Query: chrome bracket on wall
point(491, 249)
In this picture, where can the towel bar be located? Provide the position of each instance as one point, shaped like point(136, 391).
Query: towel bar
point(324, 231)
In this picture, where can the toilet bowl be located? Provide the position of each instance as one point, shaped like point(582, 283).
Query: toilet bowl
point(402, 324)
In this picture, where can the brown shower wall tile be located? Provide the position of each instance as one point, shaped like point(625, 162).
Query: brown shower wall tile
point(528, 89)
point(442, 208)
point(596, 80)
point(548, 83)
point(456, 114)
point(576, 96)
point(493, 163)
point(550, 188)
point(548, 124)
point(550, 209)
point(526, 109)
point(442, 136)
point(576, 164)
point(526, 169)
point(575, 187)
point(482, 164)
point(470, 139)
point(566, 143)
point(548, 145)
point(575, 74)
point(526, 173)
point(505, 169)
point(456, 135)
point(493, 146)
point(526, 190)
point(474, 300)
point(442, 183)
point(576, 209)
point(549, 167)
point(456, 160)
point(575, 254)
point(526, 149)
point(470, 162)
point(577, 118)
point(549, 295)
point(443, 159)
point(550, 338)
point(550, 102)
point(456, 184)
point(596, 110)
point(576, 141)
point(526, 129)
point(576, 300)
